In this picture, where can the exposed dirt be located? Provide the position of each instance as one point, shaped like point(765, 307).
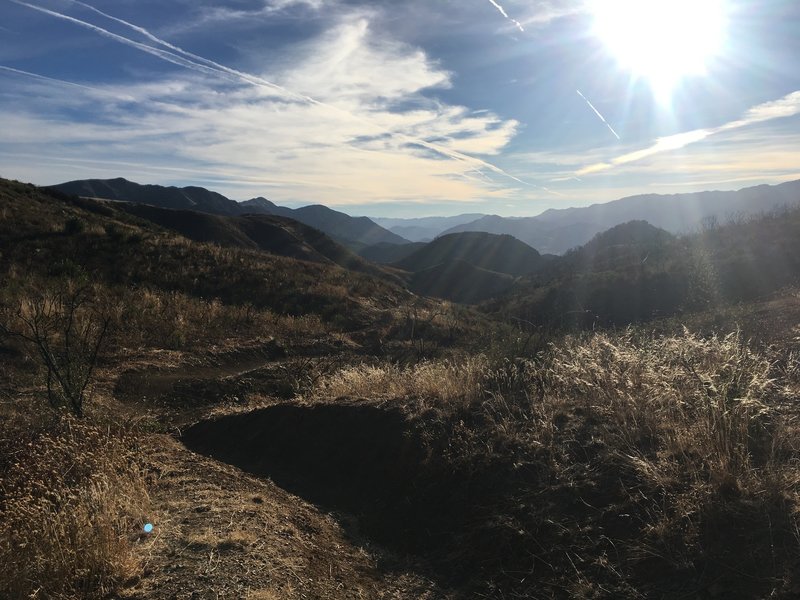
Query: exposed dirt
point(354, 458)
point(220, 533)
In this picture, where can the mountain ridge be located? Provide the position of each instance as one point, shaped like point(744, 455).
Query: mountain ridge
point(557, 230)
point(354, 232)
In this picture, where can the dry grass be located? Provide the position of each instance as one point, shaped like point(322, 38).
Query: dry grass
point(447, 380)
point(652, 460)
point(680, 402)
point(72, 499)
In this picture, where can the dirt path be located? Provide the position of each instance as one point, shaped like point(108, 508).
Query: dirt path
point(220, 533)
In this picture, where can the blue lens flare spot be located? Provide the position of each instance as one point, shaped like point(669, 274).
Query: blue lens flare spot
point(148, 528)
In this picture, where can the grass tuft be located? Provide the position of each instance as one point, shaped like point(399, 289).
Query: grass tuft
point(72, 501)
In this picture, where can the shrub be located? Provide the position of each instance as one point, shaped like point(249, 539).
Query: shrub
point(64, 330)
point(74, 226)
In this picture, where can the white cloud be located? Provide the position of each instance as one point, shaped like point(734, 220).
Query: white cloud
point(247, 138)
point(544, 12)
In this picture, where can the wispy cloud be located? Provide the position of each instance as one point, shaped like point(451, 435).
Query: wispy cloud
point(245, 138)
point(787, 106)
point(45, 78)
point(503, 12)
point(180, 57)
point(544, 12)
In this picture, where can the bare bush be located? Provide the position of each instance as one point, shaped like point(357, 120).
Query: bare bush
point(64, 329)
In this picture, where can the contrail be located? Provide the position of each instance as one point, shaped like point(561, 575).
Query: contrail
point(50, 79)
point(180, 57)
point(505, 14)
point(786, 106)
point(597, 112)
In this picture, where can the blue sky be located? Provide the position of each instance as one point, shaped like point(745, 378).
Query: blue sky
point(408, 108)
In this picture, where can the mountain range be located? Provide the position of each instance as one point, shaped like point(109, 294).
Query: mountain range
point(557, 230)
point(386, 240)
point(354, 232)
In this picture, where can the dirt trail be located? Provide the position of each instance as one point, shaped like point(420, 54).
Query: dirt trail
point(220, 533)
point(153, 382)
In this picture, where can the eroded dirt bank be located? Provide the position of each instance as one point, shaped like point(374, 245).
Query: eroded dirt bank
point(365, 461)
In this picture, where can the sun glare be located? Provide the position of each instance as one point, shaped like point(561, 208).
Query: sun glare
point(662, 41)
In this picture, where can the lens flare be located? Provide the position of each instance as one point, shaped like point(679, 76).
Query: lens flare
point(662, 41)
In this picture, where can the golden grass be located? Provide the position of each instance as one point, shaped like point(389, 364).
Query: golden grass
point(72, 501)
point(707, 404)
point(446, 380)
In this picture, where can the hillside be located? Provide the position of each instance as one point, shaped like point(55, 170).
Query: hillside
point(385, 254)
point(636, 272)
point(354, 231)
point(277, 235)
point(351, 231)
point(557, 230)
point(258, 426)
point(460, 281)
point(46, 234)
point(499, 253)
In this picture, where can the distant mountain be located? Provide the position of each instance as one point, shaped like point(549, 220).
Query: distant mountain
point(557, 230)
point(385, 254)
point(352, 231)
point(424, 229)
point(278, 235)
point(187, 198)
point(635, 272)
point(460, 281)
point(355, 232)
point(498, 253)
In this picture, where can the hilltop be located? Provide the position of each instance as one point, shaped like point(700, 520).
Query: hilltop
point(500, 253)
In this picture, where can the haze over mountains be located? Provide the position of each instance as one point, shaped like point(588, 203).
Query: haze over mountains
point(557, 230)
point(424, 229)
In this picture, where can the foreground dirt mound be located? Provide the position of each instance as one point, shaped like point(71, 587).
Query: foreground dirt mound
point(489, 517)
point(362, 460)
point(222, 534)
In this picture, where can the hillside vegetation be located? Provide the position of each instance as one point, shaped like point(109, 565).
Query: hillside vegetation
point(636, 272)
point(293, 424)
point(499, 253)
point(276, 235)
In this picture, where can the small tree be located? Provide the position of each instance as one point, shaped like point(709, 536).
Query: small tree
point(64, 331)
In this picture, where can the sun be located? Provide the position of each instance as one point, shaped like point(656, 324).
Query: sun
point(663, 41)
